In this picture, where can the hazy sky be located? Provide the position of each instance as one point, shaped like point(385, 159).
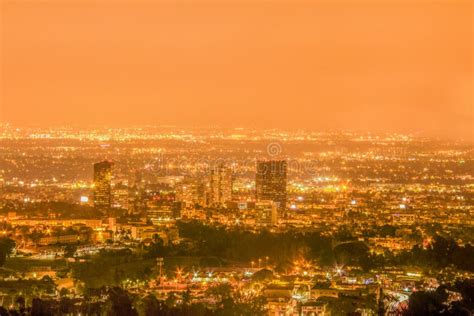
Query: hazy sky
point(401, 65)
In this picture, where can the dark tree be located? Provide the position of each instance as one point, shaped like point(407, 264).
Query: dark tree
point(41, 308)
point(119, 303)
point(6, 247)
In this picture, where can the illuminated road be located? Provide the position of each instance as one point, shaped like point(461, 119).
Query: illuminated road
point(399, 303)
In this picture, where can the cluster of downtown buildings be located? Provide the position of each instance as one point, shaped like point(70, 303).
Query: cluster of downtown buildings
point(390, 193)
point(216, 192)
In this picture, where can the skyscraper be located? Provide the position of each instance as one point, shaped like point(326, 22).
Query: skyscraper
point(266, 213)
point(270, 182)
point(102, 185)
point(220, 185)
point(120, 196)
point(190, 192)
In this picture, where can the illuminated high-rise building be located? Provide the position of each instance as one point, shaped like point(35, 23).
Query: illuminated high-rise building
point(190, 192)
point(266, 213)
point(120, 196)
point(102, 185)
point(220, 185)
point(270, 182)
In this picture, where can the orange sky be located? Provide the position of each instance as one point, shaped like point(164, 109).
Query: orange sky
point(371, 65)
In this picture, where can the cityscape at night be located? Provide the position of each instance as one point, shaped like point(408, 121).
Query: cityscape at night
point(234, 221)
point(236, 158)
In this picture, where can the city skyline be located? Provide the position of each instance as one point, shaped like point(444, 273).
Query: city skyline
point(236, 158)
point(294, 222)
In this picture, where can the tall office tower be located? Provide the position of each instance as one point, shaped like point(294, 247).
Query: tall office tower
point(270, 182)
point(187, 192)
point(266, 213)
point(120, 196)
point(220, 185)
point(102, 185)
